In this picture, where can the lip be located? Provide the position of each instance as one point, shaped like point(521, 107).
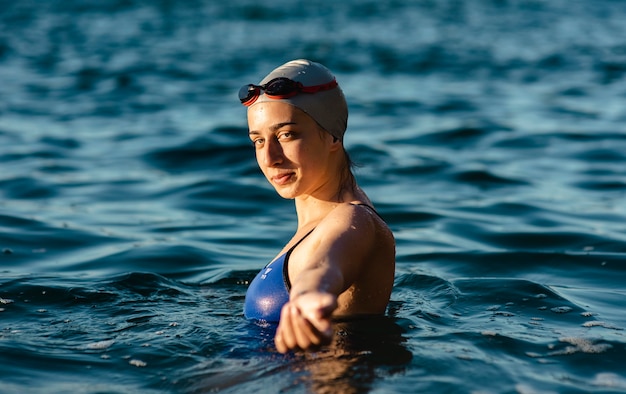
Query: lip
point(282, 178)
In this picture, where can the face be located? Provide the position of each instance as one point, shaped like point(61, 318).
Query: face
point(292, 151)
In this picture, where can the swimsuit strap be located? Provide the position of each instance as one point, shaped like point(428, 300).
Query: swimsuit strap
point(286, 263)
point(371, 208)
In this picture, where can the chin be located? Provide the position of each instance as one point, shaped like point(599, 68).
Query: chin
point(287, 196)
point(286, 193)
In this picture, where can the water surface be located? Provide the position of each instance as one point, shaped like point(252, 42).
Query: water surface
point(132, 214)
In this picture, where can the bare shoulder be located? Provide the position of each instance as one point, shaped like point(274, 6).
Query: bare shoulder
point(359, 222)
point(357, 214)
point(362, 245)
point(353, 245)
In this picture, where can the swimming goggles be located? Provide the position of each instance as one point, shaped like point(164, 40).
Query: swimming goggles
point(279, 88)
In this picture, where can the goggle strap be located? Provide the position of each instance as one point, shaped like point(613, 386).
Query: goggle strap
point(319, 88)
point(254, 91)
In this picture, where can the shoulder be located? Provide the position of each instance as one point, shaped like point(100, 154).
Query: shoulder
point(348, 213)
point(349, 238)
point(351, 219)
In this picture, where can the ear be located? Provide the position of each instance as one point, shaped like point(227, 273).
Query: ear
point(335, 144)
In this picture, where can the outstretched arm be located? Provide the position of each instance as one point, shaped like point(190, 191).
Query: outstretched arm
point(328, 266)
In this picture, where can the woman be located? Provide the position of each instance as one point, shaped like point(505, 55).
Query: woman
point(340, 262)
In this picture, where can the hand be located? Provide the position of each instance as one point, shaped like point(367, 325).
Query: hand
point(305, 322)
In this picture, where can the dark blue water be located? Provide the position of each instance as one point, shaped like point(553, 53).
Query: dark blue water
point(491, 135)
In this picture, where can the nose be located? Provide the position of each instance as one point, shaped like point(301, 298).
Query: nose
point(271, 154)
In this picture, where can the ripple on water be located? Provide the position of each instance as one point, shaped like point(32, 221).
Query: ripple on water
point(182, 262)
point(540, 239)
point(208, 151)
point(32, 242)
point(27, 188)
point(485, 179)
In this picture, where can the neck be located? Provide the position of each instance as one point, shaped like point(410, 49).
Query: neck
point(312, 207)
point(311, 210)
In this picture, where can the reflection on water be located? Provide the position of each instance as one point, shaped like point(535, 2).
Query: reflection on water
point(362, 351)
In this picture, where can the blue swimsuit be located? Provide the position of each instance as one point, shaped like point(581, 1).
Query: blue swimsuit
point(269, 290)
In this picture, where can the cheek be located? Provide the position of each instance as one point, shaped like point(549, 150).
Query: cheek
point(313, 156)
point(306, 150)
point(257, 157)
point(294, 152)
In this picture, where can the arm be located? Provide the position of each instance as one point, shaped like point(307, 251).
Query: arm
point(325, 267)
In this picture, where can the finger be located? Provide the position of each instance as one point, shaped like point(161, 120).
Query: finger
point(322, 326)
point(280, 343)
point(285, 338)
point(305, 332)
point(324, 332)
point(316, 308)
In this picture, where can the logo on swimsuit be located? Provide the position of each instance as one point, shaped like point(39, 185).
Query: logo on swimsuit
point(267, 271)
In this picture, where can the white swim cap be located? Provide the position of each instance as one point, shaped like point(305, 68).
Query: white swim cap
point(317, 94)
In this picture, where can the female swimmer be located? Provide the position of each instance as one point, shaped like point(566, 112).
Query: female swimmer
point(340, 262)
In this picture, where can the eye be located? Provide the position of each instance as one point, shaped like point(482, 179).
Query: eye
point(285, 135)
point(258, 142)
